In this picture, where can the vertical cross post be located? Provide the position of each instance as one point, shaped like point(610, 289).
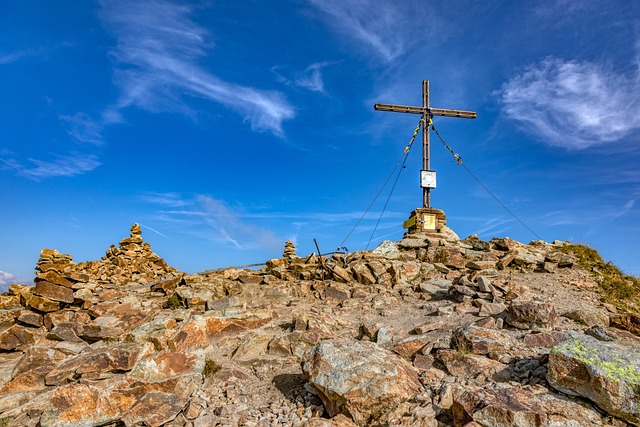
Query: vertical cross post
point(426, 154)
point(427, 112)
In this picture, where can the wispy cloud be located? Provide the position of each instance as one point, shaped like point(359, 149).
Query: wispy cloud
point(153, 229)
point(241, 228)
point(11, 163)
point(60, 166)
point(173, 200)
point(310, 79)
point(381, 27)
point(8, 58)
point(573, 104)
point(82, 128)
point(157, 53)
point(625, 209)
point(214, 219)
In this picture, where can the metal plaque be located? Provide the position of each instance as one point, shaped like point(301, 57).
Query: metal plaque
point(428, 222)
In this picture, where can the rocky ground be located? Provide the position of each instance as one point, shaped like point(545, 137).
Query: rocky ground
point(428, 331)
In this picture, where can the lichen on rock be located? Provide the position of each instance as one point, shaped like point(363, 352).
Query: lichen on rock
point(607, 373)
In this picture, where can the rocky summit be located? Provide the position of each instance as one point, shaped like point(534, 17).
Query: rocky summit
point(428, 331)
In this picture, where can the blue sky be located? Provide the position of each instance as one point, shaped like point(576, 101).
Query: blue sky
point(227, 127)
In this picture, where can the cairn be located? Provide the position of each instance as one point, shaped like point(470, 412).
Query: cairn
point(290, 250)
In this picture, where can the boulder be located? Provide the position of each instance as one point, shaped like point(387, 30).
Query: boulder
point(53, 292)
point(497, 407)
point(154, 409)
point(95, 364)
point(359, 379)
point(478, 340)
point(451, 257)
point(166, 365)
point(607, 373)
point(17, 336)
point(387, 249)
point(198, 331)
point(84, 405)
point(465, 365)
point(42, 304)
point(363, 274)
point(531, 314)
point(589, 317)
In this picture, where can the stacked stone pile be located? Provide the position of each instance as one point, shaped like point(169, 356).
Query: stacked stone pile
point(469, 264)
point(289, 250)
point(430, 331)
point(67, 296)
point(132, 261)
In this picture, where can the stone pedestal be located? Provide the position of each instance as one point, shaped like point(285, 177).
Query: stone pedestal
point(426, 220)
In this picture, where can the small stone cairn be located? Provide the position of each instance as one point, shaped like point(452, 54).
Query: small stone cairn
point(289, 250)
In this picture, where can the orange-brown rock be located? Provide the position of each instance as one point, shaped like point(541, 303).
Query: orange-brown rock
point(165, 365)
point(85, 405)
point(199, 331)
point(42, 304)
point(53, 292)
point(478, 340)
point(95, 364)
point(8, 302)
point(54, 277)
point(30, 318)
point(465, 365)
point(17, 337)
point(154, 409)
point(497, 407)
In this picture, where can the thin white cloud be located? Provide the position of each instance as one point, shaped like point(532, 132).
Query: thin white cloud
point(233, 225)
point(573, 104)
point(83, 128)
point(61, 166)
point(10, 57)
point(625, 209)
point(157, 52)
point(214, 219)
point(153, 229)
point(382, 27)
point(311, 78)
point(559, 11)
point(12, 163)
point(173, 200)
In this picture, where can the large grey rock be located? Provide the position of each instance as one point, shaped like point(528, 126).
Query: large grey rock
point(607, 373)
point(387, 249)
point(359, 379)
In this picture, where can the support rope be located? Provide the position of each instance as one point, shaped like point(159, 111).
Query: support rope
point(459, 161)
point(405, 154)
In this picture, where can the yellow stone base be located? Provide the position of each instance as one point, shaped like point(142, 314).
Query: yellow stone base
point(426, 220)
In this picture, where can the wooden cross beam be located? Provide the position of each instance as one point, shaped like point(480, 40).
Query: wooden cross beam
point(427, 112)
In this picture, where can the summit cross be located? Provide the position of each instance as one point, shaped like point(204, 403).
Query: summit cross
point(427, 176)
